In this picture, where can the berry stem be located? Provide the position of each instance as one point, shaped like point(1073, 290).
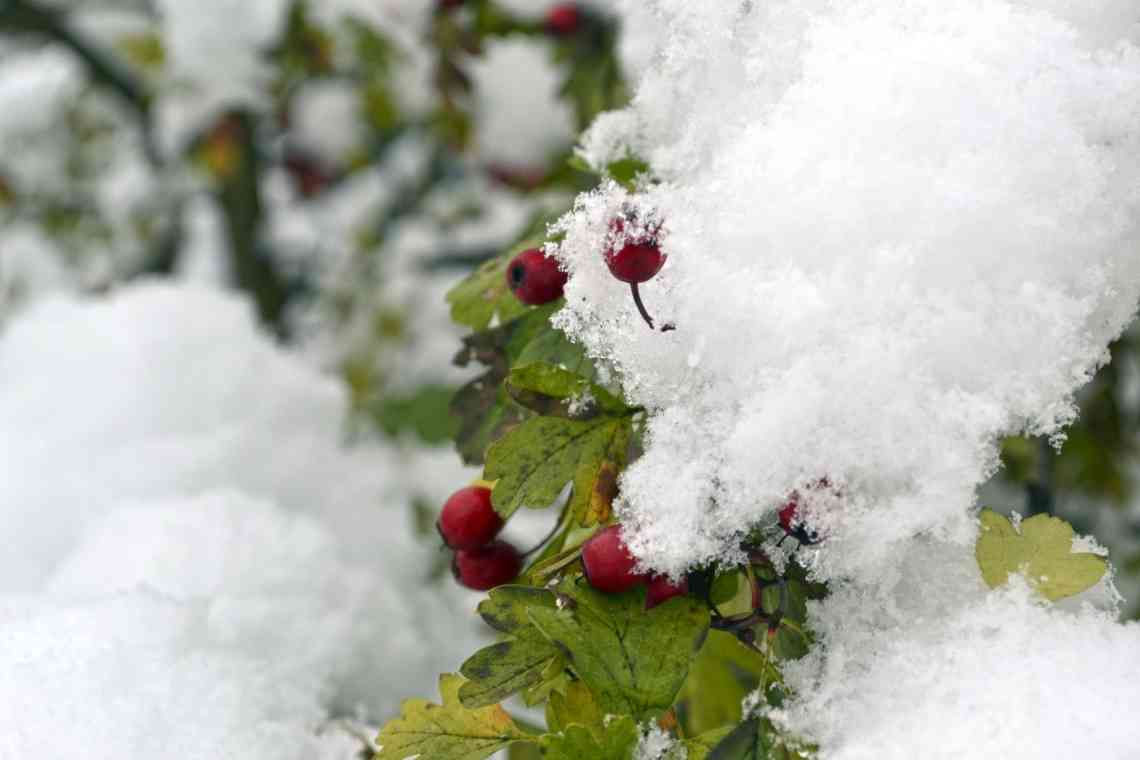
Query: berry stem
point(640, 306)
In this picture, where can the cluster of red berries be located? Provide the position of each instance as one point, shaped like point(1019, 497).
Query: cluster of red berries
point(633, 255)
point(468, 525)
point(609, 567)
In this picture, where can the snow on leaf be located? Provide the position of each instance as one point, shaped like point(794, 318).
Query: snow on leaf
point(537, 459)
point(554, 391)
point(633, 660)
point(447, 731)
point(1042, 550)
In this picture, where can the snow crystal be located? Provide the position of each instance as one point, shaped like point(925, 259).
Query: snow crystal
point(198, 567)
point(520, 121)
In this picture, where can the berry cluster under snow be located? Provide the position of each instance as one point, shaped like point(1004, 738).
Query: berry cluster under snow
point(895, 232)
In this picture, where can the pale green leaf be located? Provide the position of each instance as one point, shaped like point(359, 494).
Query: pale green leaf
point(1042, 551)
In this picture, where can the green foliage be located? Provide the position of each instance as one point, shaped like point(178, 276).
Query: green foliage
point(447, 731)
point(614, 741)
point(755, 739)
point(484, 297)
point(1042, 550)
point(535, 461)
point(555, 391)
point(523, 659)
point(423, 413)
point(720, 677)
point(634, 661)
point(484, 409)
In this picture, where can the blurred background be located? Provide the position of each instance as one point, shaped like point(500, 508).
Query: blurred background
point(226, 232)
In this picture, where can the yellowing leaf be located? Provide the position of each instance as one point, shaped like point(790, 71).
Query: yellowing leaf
point(448, 731)
point(1042, 550)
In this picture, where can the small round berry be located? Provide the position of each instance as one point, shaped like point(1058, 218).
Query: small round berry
point(635, 262)
point(563, 19)
point(487, 566)
point(535, 278)
point(468, 520)
point(607, 562)
point(660, 589)
point(633, 258)
point(449, 4)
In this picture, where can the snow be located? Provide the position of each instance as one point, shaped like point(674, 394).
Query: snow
point(895, 233)
point(198, 565)
point(955, 187)
point(520, 121)
point(936, 666)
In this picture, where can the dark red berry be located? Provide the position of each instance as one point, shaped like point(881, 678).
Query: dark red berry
point(563, 19)
point(468, 520)
point(535, 278)
point(487, 566)
point(635, 262)
point(660, 589)
point(636, 257)
point(607, 562)
point(450, 4)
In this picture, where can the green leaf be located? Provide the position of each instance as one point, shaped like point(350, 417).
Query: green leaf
point(535, 461)
point(524, 660)
point(699, 747)
point(498, 671)
point(793, 637)
point(633, 660)
point(553, 347)
point(423, 413)
point(625, 171)
point(505, 608)
point(483, 406)
point(615, 741)
point(447, 731)
point(484, 295)
point(720, 677)
point(575, 705)
point(554, 391)
point(755, 739)
point(1042, 550)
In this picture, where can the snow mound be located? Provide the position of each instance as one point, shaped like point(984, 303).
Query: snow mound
point(937, 666)
point(197, 566)
point(894, 233)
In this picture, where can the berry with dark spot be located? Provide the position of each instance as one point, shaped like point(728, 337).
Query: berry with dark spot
point(468, 520)
point(535, 278)
point(635, 257)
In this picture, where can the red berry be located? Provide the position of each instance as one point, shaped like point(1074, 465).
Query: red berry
point(487, 566)
point(563, 19)
point(535, 278)
point(635, 262)
point(449, 4)
point(660, 589)
point(607, 562)
point(633, 258)
point(468, 520)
